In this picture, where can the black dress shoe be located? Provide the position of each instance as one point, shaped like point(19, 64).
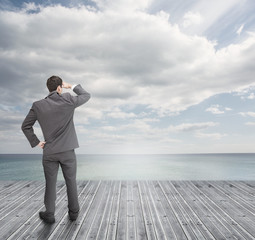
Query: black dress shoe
point(73, 215)
point(47, 217)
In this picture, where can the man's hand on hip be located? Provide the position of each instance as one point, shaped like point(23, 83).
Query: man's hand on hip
point(41, 144)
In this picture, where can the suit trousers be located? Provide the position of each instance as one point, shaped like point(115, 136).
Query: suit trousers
point(67, 161)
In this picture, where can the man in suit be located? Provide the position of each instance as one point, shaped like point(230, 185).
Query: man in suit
point(55, 116)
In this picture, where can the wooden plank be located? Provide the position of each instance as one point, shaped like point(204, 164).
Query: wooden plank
point(131, 231)
point(235, 194)
point(21, 210)
point(15, 197)
point(166, 222)
point(139, 220)
point(97, 220)
point(105, 223)
point(218, 220)
point(32, 224)
point(122, 217)
point(71, 228)
point(249, 185)
point(112, 229)
point(173, 220)
point(239, 189)
point(175, 210)
point(175, 187)
point(237, 231)
point(205, 216)
point(10, 184)
point(86, 222)
point(146, 213)
point(7, 184)
point(238, 207)
point(228, 206)
point(158, 228)
point(9, 187)
point(89, 206)
point(133, 210)
point(244, 188)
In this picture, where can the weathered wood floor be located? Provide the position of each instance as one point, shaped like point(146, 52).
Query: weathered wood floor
point(133, 210)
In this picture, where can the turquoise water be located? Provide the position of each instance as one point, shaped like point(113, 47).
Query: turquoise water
point(137, 167)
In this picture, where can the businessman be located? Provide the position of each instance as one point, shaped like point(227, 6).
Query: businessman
point(55, 116)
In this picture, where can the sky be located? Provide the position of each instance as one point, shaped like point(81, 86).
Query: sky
point(164, 76)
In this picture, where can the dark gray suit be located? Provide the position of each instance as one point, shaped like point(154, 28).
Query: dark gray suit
point(55, 116)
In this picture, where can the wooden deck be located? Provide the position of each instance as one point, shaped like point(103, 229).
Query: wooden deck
point(133, 210)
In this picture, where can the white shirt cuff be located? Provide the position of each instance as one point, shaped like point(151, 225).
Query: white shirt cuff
point(73, 86)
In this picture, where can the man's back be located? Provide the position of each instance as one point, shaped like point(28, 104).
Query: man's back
point(55, 116)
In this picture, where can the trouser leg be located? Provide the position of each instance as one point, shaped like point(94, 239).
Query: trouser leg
point(50, 173)
point(69, 168)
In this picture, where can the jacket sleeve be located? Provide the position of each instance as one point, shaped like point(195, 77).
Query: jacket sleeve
point(27, 127)
point(82, 96)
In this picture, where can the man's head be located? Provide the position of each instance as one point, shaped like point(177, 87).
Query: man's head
point(55, 83)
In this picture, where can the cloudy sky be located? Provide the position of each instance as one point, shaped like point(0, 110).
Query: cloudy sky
point(165, 76)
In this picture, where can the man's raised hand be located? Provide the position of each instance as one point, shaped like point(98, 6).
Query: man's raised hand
point(66, 85)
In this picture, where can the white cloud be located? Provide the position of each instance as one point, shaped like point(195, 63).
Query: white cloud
point(10, 119)
point(240, 29)
point(191, 18)
point(246, 93)
point(186, 127)
point(136, 136)
point(215, 136)
point(124, 57)
point(217, 109)
point(214, 109)
point(117, 113)
point(251, 96)
point(162, 14)
point(245, 114)
point(123, 5)
point(109, 128)
point(209, 13)
point(250, 123)
point(145, 60)
point(31, 6)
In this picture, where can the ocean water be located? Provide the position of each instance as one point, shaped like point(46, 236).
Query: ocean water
point(137, 167)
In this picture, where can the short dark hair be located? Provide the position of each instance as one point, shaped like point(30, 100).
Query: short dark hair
point(53, 82)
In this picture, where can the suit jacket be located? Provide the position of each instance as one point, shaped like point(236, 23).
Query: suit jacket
point(55, 116)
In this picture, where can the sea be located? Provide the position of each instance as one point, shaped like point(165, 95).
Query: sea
point(241, 166)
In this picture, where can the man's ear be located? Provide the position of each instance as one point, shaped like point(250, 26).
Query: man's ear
point(59, 89)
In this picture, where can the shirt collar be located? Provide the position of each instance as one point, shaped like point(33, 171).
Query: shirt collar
point(53, 92)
